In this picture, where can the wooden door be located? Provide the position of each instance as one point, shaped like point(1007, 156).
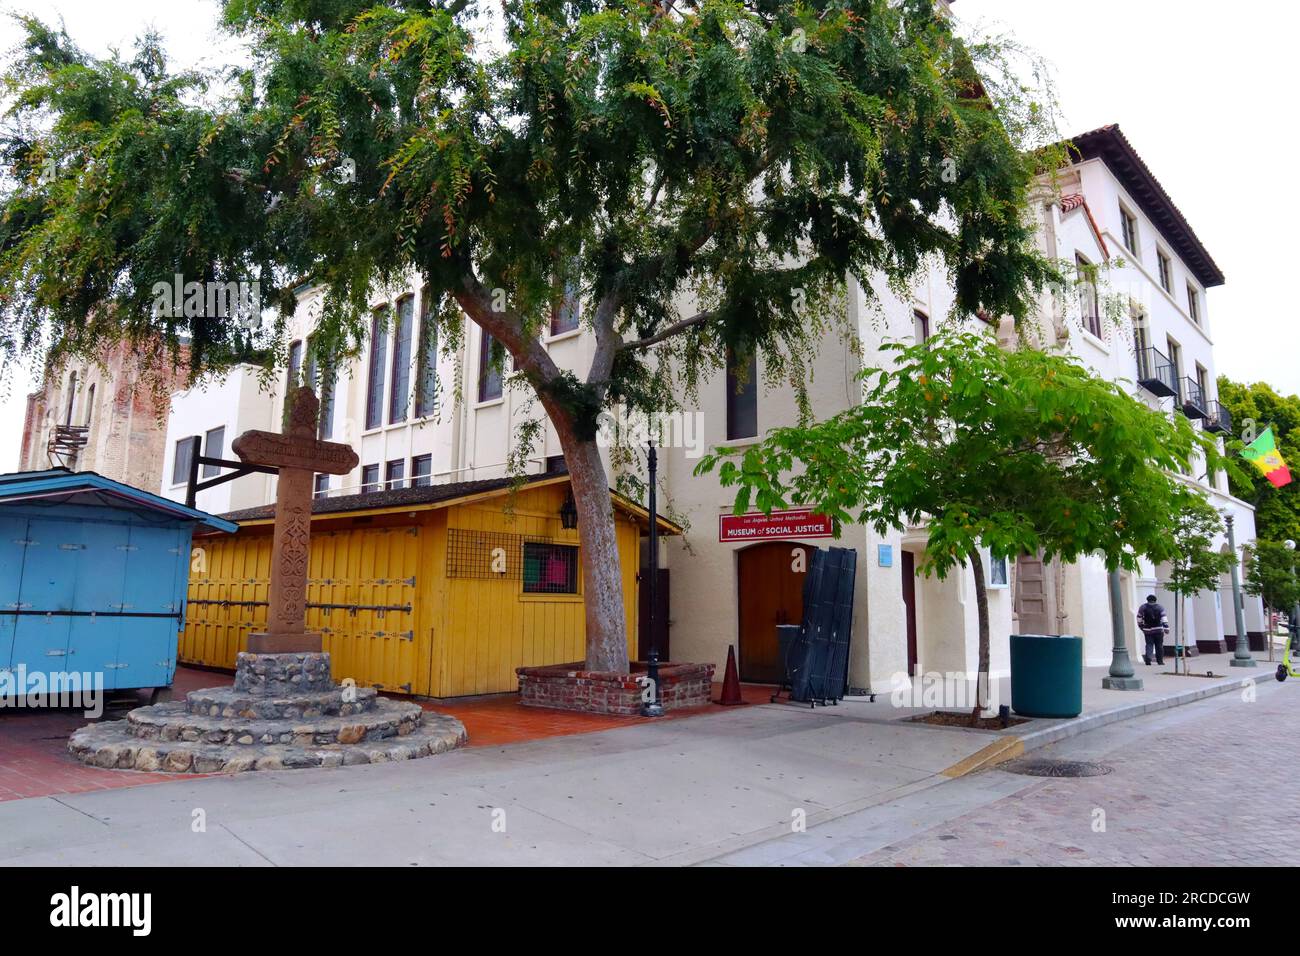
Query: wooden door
point(770, 584)
point(907, 565)
point(1031, 595)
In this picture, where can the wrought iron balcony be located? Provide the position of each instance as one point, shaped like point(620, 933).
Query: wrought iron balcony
point(1193, 399)
point(1219, 418)
point(65, 443)
point(1156, 373)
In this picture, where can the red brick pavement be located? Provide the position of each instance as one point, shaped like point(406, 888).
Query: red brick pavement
point(34, 759)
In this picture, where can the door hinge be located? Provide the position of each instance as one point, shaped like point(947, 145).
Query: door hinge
point(407, 635)
point(405, 687)
point(52, 652)
point(410, 582)
point(115, 667)
point(72, 547)
point(136, 547)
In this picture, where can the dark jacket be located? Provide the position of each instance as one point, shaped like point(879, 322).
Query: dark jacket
point(1152, 617)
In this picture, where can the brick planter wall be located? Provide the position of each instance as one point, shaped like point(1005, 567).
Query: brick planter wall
point(569, 687)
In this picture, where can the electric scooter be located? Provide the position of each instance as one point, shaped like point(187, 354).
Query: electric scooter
point(1286, 667)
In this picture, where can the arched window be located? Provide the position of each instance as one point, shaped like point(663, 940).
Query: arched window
point(90, 406)
point(72, 397)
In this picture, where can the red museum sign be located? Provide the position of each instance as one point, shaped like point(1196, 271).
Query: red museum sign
point(757, 526)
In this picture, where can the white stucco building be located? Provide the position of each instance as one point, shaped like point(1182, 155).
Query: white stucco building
point(416, 415)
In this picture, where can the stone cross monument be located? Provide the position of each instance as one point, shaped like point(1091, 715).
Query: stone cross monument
point(298, 455)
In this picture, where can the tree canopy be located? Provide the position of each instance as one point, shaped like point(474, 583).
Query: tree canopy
point(701, 175)
point(1255, 407)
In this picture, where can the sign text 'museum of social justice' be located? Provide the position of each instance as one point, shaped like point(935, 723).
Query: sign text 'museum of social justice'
point(757, 526)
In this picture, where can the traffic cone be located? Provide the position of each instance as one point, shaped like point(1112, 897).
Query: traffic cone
point(731, 683)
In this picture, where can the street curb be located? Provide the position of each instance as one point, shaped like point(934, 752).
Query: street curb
point(1050, 735)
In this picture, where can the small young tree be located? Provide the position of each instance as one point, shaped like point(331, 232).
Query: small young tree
point(1014, 451)
point(1271, 575)
point(1196, 565)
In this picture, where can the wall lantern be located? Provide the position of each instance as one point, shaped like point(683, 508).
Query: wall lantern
point(569, 512)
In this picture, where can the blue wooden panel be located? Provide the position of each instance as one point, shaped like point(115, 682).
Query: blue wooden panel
point(93, 641)
point(52, 555)
point(153, 585)
point(13, 529)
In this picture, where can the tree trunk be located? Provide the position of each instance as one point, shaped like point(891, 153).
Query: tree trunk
point(982, 608)
point(602, 580)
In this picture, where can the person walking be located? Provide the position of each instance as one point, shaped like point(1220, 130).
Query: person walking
point(1154, 623)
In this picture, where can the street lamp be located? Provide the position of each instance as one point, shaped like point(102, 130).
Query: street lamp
point(654, 707)
point(1121, 666)
point(1293, 613)
point(1241, 656)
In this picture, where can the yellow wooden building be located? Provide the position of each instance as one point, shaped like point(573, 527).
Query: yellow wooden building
point(438, 591)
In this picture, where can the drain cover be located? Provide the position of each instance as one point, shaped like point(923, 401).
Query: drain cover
point(1055, 768)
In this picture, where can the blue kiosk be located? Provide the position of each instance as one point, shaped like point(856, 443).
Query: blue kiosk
point(93, 578)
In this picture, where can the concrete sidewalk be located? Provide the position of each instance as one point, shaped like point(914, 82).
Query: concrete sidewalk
point(671, 792)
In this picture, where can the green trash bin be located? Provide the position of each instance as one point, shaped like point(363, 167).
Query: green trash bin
point(1046, 675)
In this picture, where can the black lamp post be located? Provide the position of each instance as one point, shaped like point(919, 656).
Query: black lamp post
point(654, 706)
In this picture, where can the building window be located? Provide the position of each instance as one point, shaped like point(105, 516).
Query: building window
point(369, 479)
point(742, 396)
point(1193, 303)
point(1202, 382)
point(72, 397)
point(489, 373)
point(375, 381)
point(556, 465)
point(399, 397)
point(324, 385)
point(426, 375)
point(322, 486)
point(1166, 272)
point(1088, 304)
point(997, 572)
point(214, 446)
point(566, 317)
point(550, 568)
point(395, 474)
point(90, 406)
point(1129, 227)
point(295, 365)
point(422, 471)
point(1175, 359)
point(181, 460)
point(920, 326)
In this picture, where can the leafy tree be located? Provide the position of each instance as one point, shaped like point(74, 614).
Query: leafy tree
point(1197, 564)
point(1011, 450)
point(1254, 408)
point(696, 169)
point(1271, 575)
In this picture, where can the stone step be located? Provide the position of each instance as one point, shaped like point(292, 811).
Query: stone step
point(230, 702)
point(173, 722)
point(110, 744)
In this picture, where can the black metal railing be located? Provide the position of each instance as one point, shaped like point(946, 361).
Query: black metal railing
point(1219, 418)
point(66, 442)
point(1193, 399)
point(1156, 373)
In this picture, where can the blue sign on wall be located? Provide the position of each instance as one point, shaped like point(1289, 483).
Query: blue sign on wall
point(885, 555)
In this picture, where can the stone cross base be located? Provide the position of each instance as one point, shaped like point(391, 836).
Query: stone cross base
point(284, 712)
point(284, 642)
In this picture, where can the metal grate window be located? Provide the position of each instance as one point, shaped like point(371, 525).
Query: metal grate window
point(550, 568)
point(493, 554)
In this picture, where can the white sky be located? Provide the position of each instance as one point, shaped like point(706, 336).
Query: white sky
point(1200, 89)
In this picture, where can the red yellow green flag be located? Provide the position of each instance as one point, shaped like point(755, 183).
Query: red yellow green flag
point(1263, 454)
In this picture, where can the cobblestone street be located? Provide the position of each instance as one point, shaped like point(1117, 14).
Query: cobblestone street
point(1207, 784)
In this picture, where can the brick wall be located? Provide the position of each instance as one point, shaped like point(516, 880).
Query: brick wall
point(568, 687)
